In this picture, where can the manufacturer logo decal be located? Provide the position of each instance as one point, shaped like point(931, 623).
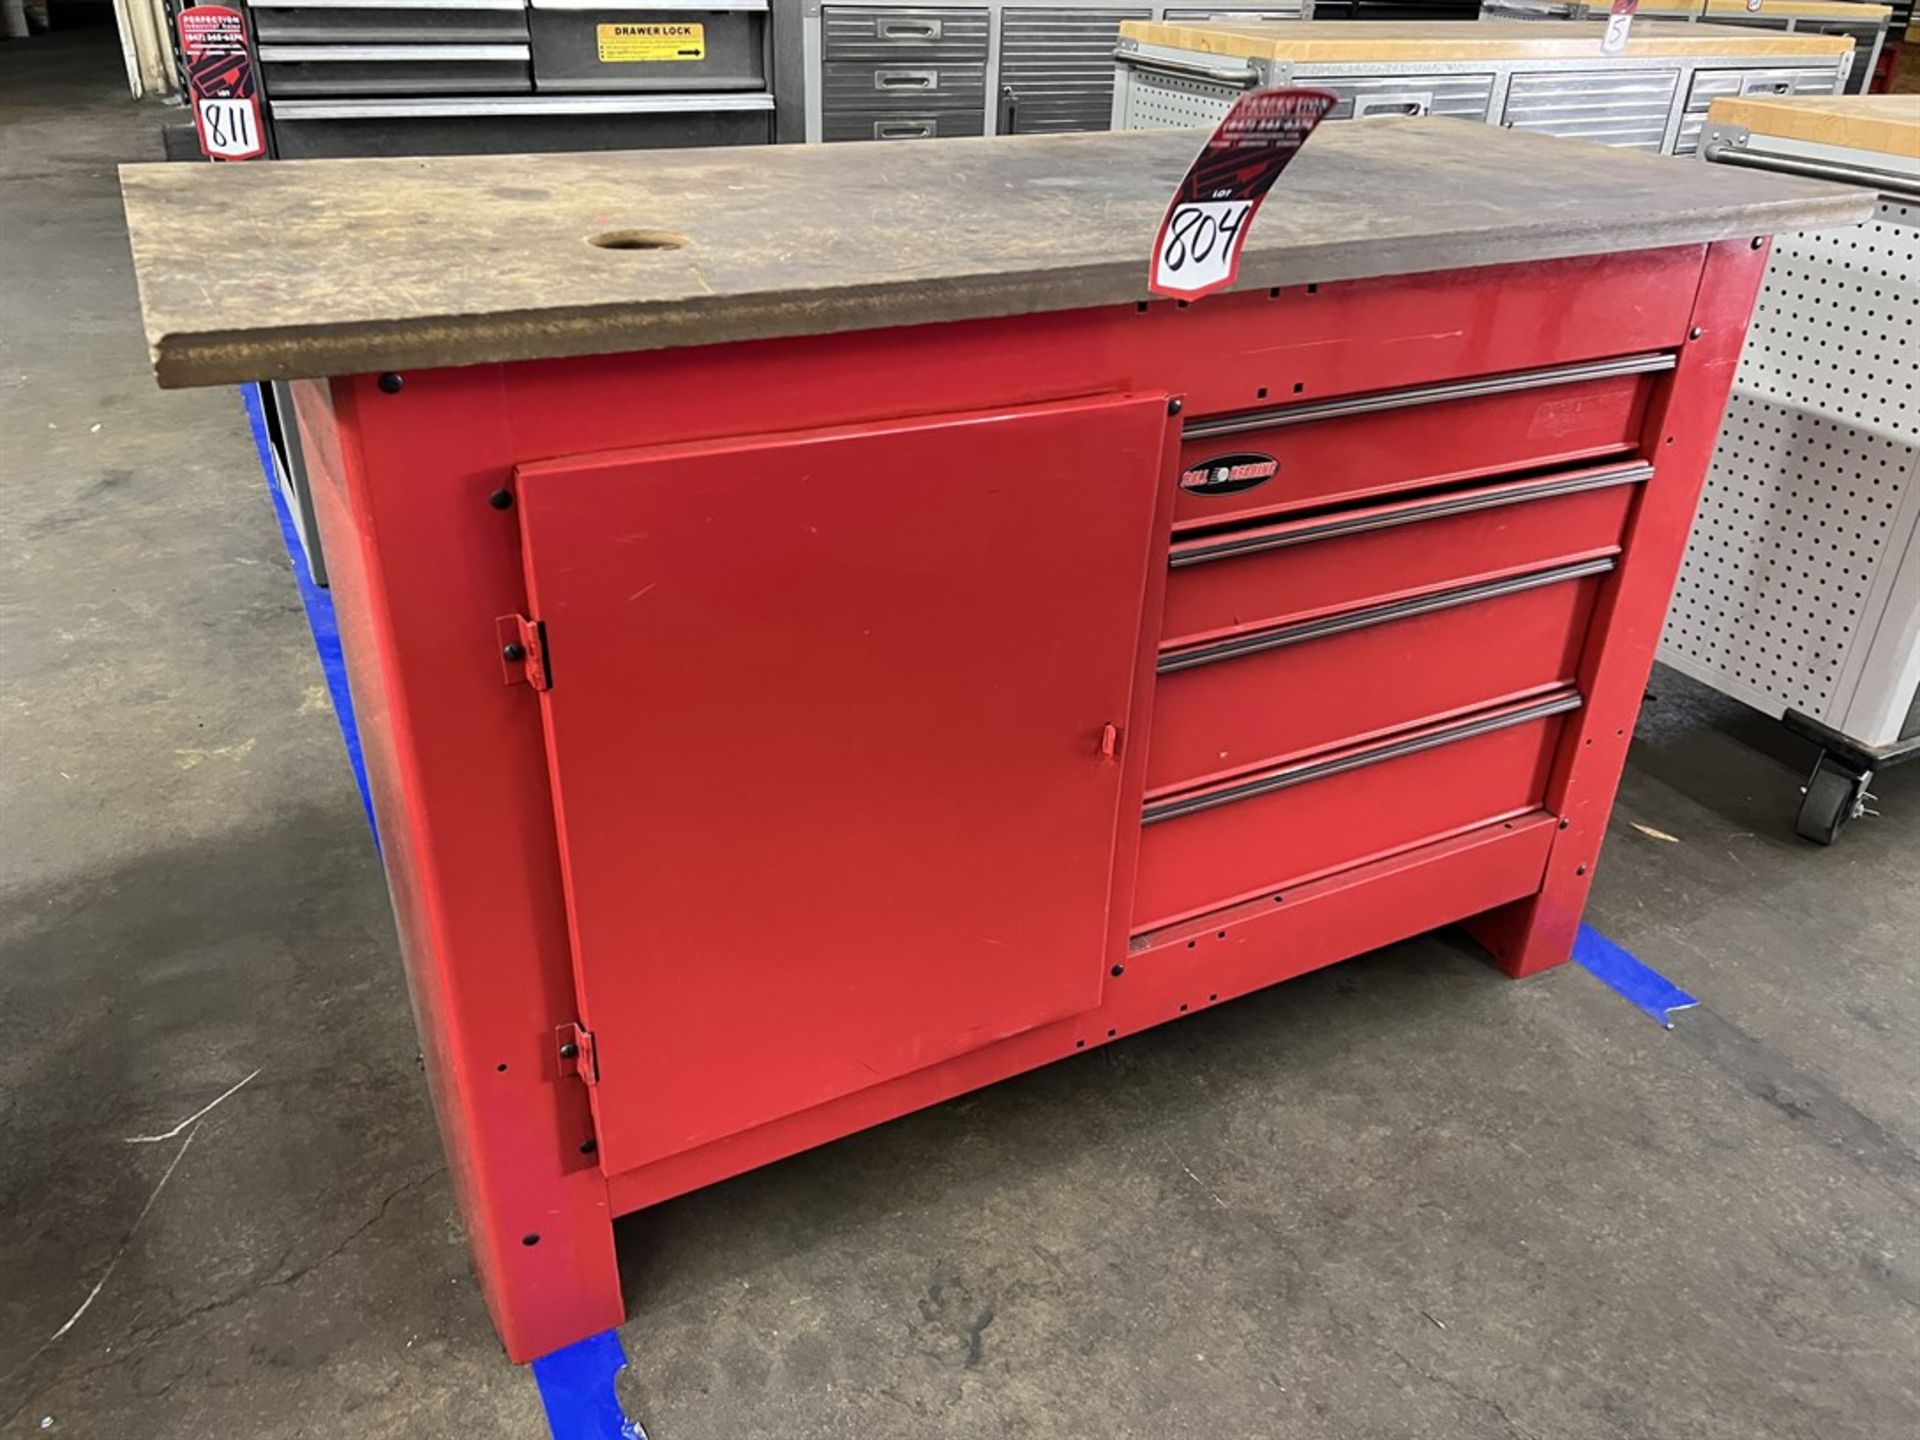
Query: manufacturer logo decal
point(1227, 474)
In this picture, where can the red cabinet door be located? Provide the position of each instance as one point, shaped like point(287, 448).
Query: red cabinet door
point(826, 726)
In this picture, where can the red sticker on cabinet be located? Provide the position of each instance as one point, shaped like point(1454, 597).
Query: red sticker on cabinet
point(220, 79)
point(1197, 250)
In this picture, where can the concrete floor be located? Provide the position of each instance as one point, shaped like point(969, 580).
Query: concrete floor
point(1401, 1198)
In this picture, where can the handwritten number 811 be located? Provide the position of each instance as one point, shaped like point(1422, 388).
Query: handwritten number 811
point(1195, 234)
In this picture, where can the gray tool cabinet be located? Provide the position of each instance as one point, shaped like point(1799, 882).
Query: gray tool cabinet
point(960, 67)
point(1549, 78)
point(419, 77)
point(1867, 25)
point(1800, 591)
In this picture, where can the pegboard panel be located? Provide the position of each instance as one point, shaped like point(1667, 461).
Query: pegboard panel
point(1157, 102)
point(1812, 486)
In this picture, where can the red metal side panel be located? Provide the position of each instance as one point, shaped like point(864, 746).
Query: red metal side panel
point(420, 564)
point(834, 728)
point(1682, 424)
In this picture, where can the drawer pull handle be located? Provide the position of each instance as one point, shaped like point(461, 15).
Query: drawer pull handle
point(1240, 75)
point(1291, 775)
point(905, 129)
point(906, 79)
point(1279, 537)
point(1365, 107)
point(1430, 395)
point(908, 29)
point(1721, 153)
point(1300, 631)
point(390, 54)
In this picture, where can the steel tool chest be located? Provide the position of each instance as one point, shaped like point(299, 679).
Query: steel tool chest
point(439, 77)
point(825, 639)
point(1518, 75)
point(1800, 593)
point(1865, 24)
point(934, 68)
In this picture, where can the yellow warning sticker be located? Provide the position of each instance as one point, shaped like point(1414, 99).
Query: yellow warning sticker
point(623, 44)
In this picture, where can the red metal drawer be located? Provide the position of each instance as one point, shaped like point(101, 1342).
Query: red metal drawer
point(1253, 837)
point(1254, 578)
point(1339, 450)
point(1271, 695)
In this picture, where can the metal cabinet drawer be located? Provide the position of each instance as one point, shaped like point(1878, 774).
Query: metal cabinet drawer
point(885, 35)
point(418, 22)
point(1253, 836)
point(1056, 68)
point(1344, 450)
point(297, 70)
point(511, 125)
point(1359, 97)
point(1710, 85)
point(1294, 11)
point(1267, 696)
point(1256, 578)
point(603, 45)
point(902, 124)
point(1626, 108)
point(909, 86)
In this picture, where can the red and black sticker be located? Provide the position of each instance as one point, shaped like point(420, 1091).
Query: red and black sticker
point(1228, 474)
point(1197, 250)
point(220, 78)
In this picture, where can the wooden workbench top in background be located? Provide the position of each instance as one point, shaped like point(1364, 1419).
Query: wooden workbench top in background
point(1330, 42)
point(326, 267)
point(1887, 124)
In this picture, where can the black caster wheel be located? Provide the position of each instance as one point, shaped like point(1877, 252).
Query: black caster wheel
point(1834, 794)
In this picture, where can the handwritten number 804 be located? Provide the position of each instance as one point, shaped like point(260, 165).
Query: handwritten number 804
point(1194, 235)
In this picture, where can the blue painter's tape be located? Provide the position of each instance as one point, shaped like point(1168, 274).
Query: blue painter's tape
point(577, 1386)
point(318, 605)
point(1620, 972)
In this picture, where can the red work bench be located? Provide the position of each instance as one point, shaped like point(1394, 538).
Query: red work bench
point(825, 640)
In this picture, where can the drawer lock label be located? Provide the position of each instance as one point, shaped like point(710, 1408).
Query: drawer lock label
point(1228, 474)
point(625, 44)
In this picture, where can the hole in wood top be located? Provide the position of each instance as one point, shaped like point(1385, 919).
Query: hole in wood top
point(637, 240)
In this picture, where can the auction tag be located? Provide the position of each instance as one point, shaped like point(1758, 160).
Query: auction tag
point(629, 44)
point(226, 101)
point(1198, 248)
point(1619, 22)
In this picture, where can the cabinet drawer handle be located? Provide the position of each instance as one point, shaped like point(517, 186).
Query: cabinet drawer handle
point(906, 79)
point(1367, 106)
point(905, 129)
point(1430, 394)
point(1387, 517)
point(1289, 776)
point(908, 29)
point(1242, 75)
point(1300, 631)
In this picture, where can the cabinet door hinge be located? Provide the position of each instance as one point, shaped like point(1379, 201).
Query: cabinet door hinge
point(574, 1046)
point(523, 651)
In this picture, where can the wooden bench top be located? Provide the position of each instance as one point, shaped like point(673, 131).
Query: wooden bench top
point(1886, 124)
point(281, 269)
point(1333, 42)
